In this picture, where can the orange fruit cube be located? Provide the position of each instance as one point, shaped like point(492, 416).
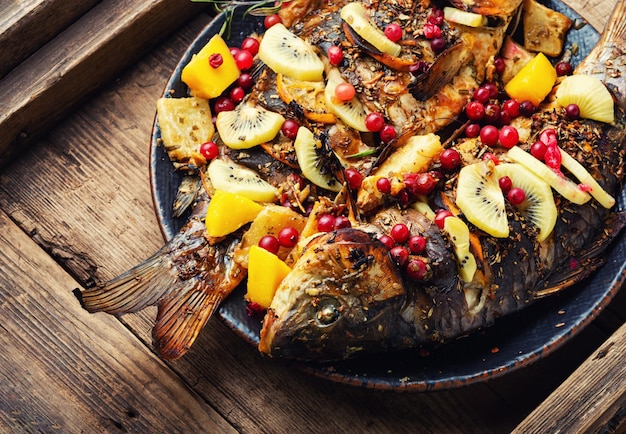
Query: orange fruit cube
point(227, 212)
point(533, 82)
point(265, 272)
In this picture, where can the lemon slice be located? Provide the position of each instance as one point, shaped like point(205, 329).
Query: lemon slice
point(592, 97)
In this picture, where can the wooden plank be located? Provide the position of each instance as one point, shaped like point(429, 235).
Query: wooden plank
point(90, 53)
point(26, 25)
point(66, 370)
point(598, 389)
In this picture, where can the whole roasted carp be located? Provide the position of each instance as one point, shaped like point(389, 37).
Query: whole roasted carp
point(348, 291)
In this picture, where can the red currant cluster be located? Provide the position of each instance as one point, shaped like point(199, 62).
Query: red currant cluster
point(547, 149)
point(287, 237)
point(406, 251)
point(433, 32)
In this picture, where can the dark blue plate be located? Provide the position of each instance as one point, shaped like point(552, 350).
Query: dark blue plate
point(513, 342)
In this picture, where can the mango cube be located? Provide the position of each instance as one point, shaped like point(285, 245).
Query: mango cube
point(534, 81)
point(265, 272)
point(204, 80)
point(227, 212)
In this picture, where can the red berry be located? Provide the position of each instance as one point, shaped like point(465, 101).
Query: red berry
point(416, 269)
point(209, 150)
point(431, 31)
point(254, 309)
point(438, 45)
point(269, 243)
point(418, 68)
point(326, 223)
point(290, 128)
point(417, 244)
point(245, 81)
point(223, 104)
point(516, 196)
point(244, 60)
point(505, 184)
point(237, 94)
point(526, 108)
point(345, 91)
point(548, 136)
point(504, 118)
point(335, 55)
point(215, 60)
point(393, 32)
point(342, 222)
point(492, 157)
point(374, 122)
point(511, 106)
point(492, 113)
point(481, 95)
point(271, 20)
point(489, 135)
point(383, 185)
point(288, 236)
point(563, 68)
point(234, 51)
point(387, 133)
point(572, 111)
point(492, 88)
point(440, 217)
point(387, 241)
point(475, 110)
point(251, 45)
point(552, 157)
point(538, 149)
point(400, 233)
point(436, 16)
point(509, 136)
point(421, 183)
point(400, 256)
point(499, 64)
point(450, 159)
point(472, 130)
point(354, 178)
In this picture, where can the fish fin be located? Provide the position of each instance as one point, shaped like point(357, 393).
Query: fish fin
point(441, 72)
point(187, 193)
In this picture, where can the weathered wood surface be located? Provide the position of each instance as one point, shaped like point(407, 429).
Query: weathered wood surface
point(76, 208)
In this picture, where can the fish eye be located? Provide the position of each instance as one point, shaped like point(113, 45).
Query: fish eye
point(327, 311)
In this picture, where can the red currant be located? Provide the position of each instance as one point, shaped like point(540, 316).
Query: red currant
point(505, 184)
point(326, 223)
point(481, 95)
point(489, 135)
point(393, 32)
point(342, 222)
point(420, 184)
point(441, 216)
point(354, 178)
point(387, 241)
point(383, 185)
point(400, 256)
point(431, 31)
point(387, 133)
point(492, 88)
point(475, 110)
point(563, 68)
point(511, 106)
point(499, 64)
point(492, 113)
point(237, 94)
point(288, 236)
point(438, 44)
point(472, 130)
point(209, 150)
point(269, 243)
point(450, 159)
point(503, 119)
point(271, 20)
point(223, 104)
point(552, 157)
point(234, 51)
point(244, 60)
point(436, 16)
point(416, 269)
point(509, 136)
point(538, 149)
point(548, 136)
point(215, 60)
point(290, 128)
point(417, 244)
point(516, 196)
point(526, 108)
point(335, 55)
point(400, 233)
point(245, 81)
point(251, 45)
point(572, 112)
point(345, 91)
point(374, 122)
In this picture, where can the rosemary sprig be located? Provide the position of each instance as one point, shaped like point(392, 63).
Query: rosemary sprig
point(257, 8)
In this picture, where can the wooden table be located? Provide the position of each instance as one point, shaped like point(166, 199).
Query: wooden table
point(76, 208)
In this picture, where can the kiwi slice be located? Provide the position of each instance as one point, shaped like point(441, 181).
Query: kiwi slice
point(591, 95)
point(309, 160)
point(286, 53)
point(538, 207)
point(352, 112)
point(479, 197)
point(233, 178)
point(248, 126)
point(358, 19)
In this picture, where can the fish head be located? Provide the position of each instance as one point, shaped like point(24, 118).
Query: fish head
point(343, 296)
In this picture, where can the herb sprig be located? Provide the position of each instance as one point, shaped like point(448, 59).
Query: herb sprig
point(257, 8)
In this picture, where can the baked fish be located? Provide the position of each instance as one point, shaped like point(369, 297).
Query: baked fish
point(427, 241)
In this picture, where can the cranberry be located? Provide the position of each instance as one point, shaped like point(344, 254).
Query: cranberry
point(393, 32)
point(244, 60)
point(418, 68)
point(290, 128)
point(288, 236)
point(503, 119)
point(254, 309)
point(223, 104)
point(435, 16)
point(420, 184)
point(499, 64)
point(489, 135)
point(552, 157)
point(342, 222)
point(563, 68)
point(271, 20)
point(416, 269)
point(475, 110)
point(538, 149)
point(481, 94)
point(387, 133)
point(509, 136)
point(572, 112)
point(209, 150)
point(374, 122)
point(326, 223)
point(511, 106)
point(417, 244)
point(335, 55)
point(492, 113)
point(548, 136)
point(438, 44)
point(450, 159)
point(345, 91)
point(400, 256)
point(505, 184)
point(383, 185)
point(492, 157)
point(526, 108)
point(245, 81)
point(400, 233)
point(472, 130)
point(215, 60)
point(269, 243)
point(431, 31)
point(234, 51)
point(440, 217)
point(516, 196)
point(237, 94)
point(354, 178)
point(250, 45)
point(387, 241)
